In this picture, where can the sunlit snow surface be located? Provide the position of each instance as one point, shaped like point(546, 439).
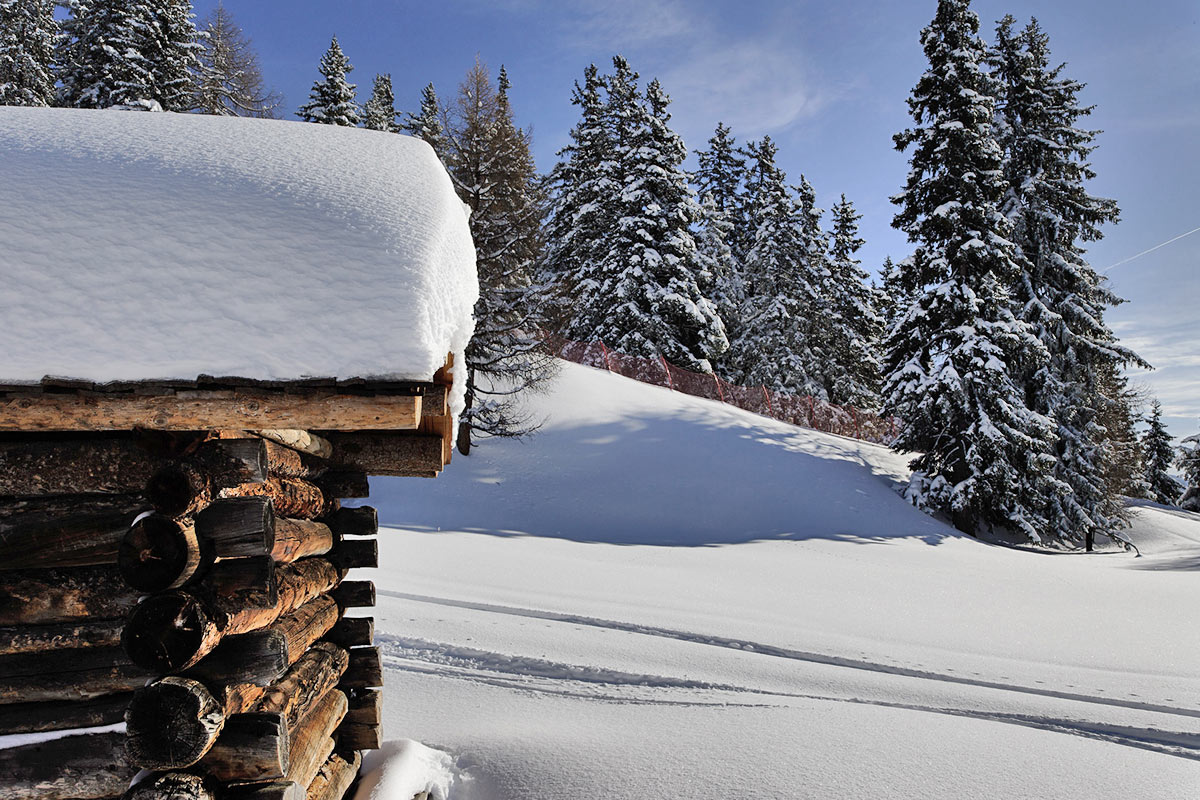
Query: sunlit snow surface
point(144, 246)
point(659, 596)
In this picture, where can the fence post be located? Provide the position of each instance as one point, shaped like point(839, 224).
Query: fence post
point(720, 392)
point(604, 350)
point(667, 369)
point(770, 408)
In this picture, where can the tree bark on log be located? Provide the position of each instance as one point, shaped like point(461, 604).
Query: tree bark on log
point(71, 768)
point(343, 483)
point(54, 596)
point(66, 675)
point(64, 714)
point(301, 441)
point(300, 538)
point(43, 638)
point(238, 526)
point(189, 485)
point(75, 531)
point(174, 630)
point(357, 521)
point(289, 463)
point(158, 553)
point(334, 778)
point(247, 409)
point(365, 669)
point(291, 497)
point(251, 747)
point(312, 739)
point(352, 632)
point(238, 586)
point(397, 453)
point(77, 465)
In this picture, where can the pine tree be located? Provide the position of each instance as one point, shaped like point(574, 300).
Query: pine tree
point(1158, 455)
point(721, 171)
point(984, 456)
point(776, 347)
point(1057, 293)
point(722, 282)
point(230, 80)
point(171, 50)
point(101, 58)
point(379, 113)
point(427, 124)
point(648, 300)
point(585, 183)
point(1189, 462)
point(331, 100)
point(490, 163)
point(28, 36)
point(854, 327)
point(892, 299)
point(1118, 411)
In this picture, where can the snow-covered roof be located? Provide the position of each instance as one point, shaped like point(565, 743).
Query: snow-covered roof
point(150, 246)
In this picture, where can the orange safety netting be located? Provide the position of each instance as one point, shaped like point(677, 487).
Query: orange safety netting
point(805, 411)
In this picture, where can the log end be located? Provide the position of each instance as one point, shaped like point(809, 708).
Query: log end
point(168, 632)
point(171, 724)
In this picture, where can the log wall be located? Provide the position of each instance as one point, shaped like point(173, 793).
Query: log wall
point(192, 585)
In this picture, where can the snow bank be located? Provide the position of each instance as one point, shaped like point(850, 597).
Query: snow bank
point(402, 769)
point(157, 246)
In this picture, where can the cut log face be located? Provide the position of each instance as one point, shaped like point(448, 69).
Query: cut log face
point(85, 767)
point(355, 736)
point(352, 632)
point(356, 554)
point(158, 553)
point(247, 409)
point(171, 724)
point(240, 585)
point(366, 707)
point(69, 532)
point(238, 526)
point(173, 786)
point(53, 596)
point(365, 670)
point(169, 632)
point(355, 594)
point(358, 521)
point(344, 483)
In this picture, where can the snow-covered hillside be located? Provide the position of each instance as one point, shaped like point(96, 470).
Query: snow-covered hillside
point(660, 596)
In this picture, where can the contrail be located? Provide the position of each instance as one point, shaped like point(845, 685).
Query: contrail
point(1108, 269)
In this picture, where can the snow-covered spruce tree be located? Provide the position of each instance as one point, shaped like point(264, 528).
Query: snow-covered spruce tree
point(427, 123)
point(776, 347)
point(493, 172)
point(28, 36)
point(1189, 462)
point(648, 300)
point(331, 100)
point(101, 63)
point(723, 280)
point(1118, 412)
point(1158, 455)
point(952, 359)
point(379, 113)
point(172, 50)
point(854, 328)
point(720, 173)
point(1057, 293)
point(230, 80)
point(892, 299)
point(584, 186)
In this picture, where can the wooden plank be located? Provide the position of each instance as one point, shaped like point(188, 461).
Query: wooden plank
point(53, 596)
point(248, 409)
point(85, 767)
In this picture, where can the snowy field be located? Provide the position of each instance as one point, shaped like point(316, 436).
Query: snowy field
point(659, 596)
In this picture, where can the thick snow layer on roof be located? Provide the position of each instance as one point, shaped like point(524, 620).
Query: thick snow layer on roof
point(141, 246)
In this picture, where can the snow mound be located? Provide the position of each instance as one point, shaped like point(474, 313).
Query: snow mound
point(159, 246)
point(402, 769)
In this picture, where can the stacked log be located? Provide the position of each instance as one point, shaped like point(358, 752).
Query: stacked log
point(191, 584)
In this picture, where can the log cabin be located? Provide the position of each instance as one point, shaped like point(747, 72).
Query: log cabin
point(212, 331)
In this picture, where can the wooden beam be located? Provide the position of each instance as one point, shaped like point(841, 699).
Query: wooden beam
point(300, 441)
point(333, 780)
point(358, 521)
point(85, 767)
point(62, 715)
point(67, 532)
point(248, 409)
point(365, 669)
point(291, 497)
point(45, 638)
point(67, 675)
point(312, 738)
point(53, 596)
point(387, 452)
point(353, 632)
point(76, 465)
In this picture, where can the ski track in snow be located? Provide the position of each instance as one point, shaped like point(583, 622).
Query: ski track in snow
point(602, 684)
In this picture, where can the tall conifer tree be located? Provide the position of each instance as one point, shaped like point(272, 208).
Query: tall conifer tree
point(28, 36)
point(427, 123)
point(379, 113)
point(331, 100)
point(1057, 293)
point(493, 172)
point(1158, 455)
point(852, 373)
point(984, 456)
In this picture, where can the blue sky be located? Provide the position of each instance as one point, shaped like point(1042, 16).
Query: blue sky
point(828, 81)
